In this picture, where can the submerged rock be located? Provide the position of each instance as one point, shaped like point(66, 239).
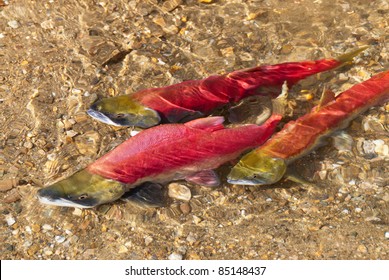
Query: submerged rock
point(179, 191)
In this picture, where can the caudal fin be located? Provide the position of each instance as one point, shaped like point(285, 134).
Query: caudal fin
point(347, 58)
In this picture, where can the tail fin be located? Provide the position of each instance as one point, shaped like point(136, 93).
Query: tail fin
point(347, 58)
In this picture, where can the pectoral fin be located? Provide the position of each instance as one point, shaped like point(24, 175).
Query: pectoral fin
point(181, 115)
point(204, 178)
point(208, 124)
point(147, 195)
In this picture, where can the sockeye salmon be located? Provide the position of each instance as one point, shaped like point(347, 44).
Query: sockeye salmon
point(197, 98)
point(268, 163)
point(160, 154)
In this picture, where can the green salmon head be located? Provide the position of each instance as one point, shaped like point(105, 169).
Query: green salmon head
point(123, 111)
point(82, 190)
point(257, 169)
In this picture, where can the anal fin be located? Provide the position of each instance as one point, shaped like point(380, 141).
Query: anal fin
point(204, 178)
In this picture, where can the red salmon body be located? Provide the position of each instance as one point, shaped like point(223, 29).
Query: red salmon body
point(200, 97)
point(174, 151)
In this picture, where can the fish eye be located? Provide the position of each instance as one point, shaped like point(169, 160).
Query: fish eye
point(83, 196)
point(120, 116)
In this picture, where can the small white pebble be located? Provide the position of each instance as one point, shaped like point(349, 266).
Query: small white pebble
point(76, 91)
point(345, 211)
point(358, 210)
point(27, 243)
point(28, 229)
point(191, 238)
point(77, 212)
point(47, 227)
point(47, 251)
point(13, 24)
point(148, 240)
point(179, 191)
point(71, 133)
point(10, 220)
point(60, 239)
point(51, 156)
point(2, 35)
point(134, 132)
point(268, 199)
point(175, 256)
point(15, 232)
point(123, 249)
point(387, 234)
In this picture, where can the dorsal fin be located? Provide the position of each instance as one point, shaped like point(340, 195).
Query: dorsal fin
point(209, 124)
point(280, 103)
point(327, 97)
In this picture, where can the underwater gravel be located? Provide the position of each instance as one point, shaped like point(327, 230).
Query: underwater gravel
point(60, 57)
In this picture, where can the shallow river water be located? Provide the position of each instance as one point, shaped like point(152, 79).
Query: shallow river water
point(57, 57)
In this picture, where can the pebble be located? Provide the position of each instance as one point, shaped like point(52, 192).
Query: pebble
point(179, 191)
point(36, 228)
point(343, 142)
point(47, 251)
point(28, 145)
point(10, 220)
point(343, 77)
point(60, 239)
point(13, 24)
point(12, 196)
point(369, 148)
point(193, 256)
point(175, 256)
point(33, 249)
point(7, 184)
point(196, 219)
point(47, 227)
point(191, 238)
point(387, 234)
point(28, 229)
point(134, 132)
point(358, 210)
point(76, 91)
point(148, 240)
point(77, 212)
point(71, 133)
point(185, 208)
point(27, 243)
point(123, 249)
point(381, 148)
point(9, 247)
point(362, 249)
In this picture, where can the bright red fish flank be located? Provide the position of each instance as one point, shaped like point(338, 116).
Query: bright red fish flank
point(160, 154)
